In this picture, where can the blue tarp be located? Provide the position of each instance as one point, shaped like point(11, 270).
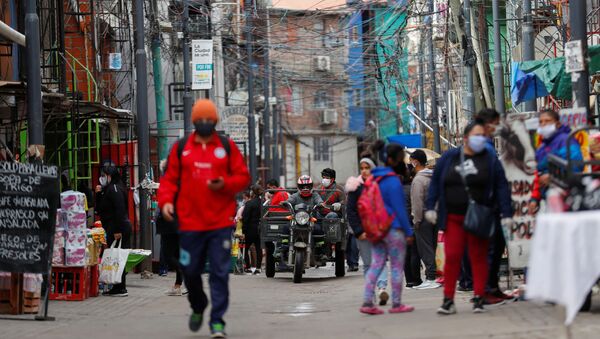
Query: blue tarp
point(525, 86)
point(407, 140)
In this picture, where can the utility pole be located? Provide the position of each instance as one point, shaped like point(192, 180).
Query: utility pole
point(422, 90)
point(498, 68)
point(434, 107)
point(159, 96)
point(34, 79)
point(142, 127)
point(248, 5)
point(219, 87)
point(187, 94)
point(266, 94)
point(469, 61)
point(580, 81)
point(276, 167)
point(527, 48)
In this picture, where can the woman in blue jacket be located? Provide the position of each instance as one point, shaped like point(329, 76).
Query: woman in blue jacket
point(487, 184)
point(393, 246)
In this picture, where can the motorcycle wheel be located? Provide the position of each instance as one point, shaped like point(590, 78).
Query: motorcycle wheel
point(340, 257)
point(270, 260)
point(298, 266)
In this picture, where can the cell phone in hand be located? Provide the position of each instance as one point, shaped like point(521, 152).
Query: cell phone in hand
point(214, 181)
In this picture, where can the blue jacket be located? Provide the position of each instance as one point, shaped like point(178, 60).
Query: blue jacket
point(393, 198)
point(557, 145)
point(498, 190)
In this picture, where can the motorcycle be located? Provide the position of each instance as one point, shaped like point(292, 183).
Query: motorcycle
point(311, 242)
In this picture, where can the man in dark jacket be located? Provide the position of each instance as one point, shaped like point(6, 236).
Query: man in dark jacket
point(251, 229)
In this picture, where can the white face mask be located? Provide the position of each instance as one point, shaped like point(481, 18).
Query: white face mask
point(326, 182)
point(546, 131)
point(103, 181)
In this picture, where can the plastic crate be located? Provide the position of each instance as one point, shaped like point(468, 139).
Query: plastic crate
point(93, 290)
point(69, 283)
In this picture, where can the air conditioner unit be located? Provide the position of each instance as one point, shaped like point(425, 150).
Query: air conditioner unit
point(329, 117)
point(322, 63)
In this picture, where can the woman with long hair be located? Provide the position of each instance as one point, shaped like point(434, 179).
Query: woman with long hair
point(393, 245)
point(474, 172)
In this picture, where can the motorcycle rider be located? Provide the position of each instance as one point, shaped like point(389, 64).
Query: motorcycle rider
point(332, 195)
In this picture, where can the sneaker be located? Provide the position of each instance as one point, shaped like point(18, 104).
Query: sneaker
point(478, 304)
point(163, 273)
point(499, 294)
point(195, 322)
point(257, 271)
point(447, 307)
point(352, 268)
point(370, 309)
point(116, 293)
point(428, 285)
point(217, 330)
point(383, 296)
point(401, 309)
point(175, 292)
point(410, 285)
point(491, 300)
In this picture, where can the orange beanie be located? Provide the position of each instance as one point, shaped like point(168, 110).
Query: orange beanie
point(204, 109)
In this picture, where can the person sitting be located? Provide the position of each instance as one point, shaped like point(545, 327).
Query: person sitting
point(332, 195)
point(278, 194)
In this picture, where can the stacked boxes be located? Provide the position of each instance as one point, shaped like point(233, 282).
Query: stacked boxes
point(60, 234)
point(73, 204)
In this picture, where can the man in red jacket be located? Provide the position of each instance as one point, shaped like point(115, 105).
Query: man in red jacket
point(201, 182)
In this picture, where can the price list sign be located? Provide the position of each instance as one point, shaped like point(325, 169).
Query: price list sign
point(29, 197)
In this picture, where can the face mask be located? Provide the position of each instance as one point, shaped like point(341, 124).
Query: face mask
point(326, 182)
point(546, 131)
point(204, 129)
point(477, 143)
point(103, 181)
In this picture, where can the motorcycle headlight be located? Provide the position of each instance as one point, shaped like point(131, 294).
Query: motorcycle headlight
point(302, 218)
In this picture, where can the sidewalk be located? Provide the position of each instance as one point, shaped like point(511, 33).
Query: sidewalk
point(320, 307)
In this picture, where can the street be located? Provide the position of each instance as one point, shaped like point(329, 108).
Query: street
point(320, 307)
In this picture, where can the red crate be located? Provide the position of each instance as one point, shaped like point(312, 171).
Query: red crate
point(69, 283)
point(93, 281)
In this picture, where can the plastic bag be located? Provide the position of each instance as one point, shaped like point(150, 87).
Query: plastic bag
point(113, 264)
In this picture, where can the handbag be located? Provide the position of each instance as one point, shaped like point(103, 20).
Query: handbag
point(113, 264)
point(479, 219)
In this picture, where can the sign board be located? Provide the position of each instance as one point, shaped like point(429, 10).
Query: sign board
point(234, 121)
point(574, 61)
point(518, 159)
point(29, 198)
point(115, 61)
point(202, 64)
point(573, 117)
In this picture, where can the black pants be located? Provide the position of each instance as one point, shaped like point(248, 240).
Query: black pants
point(125, 243)
point(426, 240)
point(253, 239)
point(170, 247)
point(352, 251)
point(412, 265)
point(497, 246)
point(466, 276)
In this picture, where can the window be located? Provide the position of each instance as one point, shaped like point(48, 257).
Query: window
point(321, 148)
point(296, 105)
point(356, 98)
point(321, 100)
point(354, 35)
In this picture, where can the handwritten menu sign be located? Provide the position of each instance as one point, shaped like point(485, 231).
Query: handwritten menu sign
point(29, 197)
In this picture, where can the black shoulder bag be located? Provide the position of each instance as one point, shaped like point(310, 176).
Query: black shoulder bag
point(479, 219)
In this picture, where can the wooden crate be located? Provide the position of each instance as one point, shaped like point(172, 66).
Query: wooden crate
point(31, 302)
point(10, 300)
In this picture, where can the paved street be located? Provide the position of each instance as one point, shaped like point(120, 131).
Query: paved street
point(320, 307)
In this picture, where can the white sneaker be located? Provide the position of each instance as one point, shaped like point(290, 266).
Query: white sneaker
point(428, 285)
point(175, 292)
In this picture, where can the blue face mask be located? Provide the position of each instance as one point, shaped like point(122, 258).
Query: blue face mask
point(477, 143)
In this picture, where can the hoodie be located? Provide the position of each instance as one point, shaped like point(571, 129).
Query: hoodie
point(418, 194)
point(353, 190)
point(393, 198)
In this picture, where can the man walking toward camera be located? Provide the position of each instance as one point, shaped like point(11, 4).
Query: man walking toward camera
point(205, 171)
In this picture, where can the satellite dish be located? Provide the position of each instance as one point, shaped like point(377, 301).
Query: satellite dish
point(549, 44)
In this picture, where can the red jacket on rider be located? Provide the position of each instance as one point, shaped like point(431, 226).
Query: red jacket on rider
point(197, 207)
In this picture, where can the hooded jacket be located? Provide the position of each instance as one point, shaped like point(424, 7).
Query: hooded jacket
point(499, 191)
point(557, 144)
point(418, 194)
point(393, 198)
point(353, 190)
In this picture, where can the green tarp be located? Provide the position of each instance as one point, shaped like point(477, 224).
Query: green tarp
point(552, 72)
